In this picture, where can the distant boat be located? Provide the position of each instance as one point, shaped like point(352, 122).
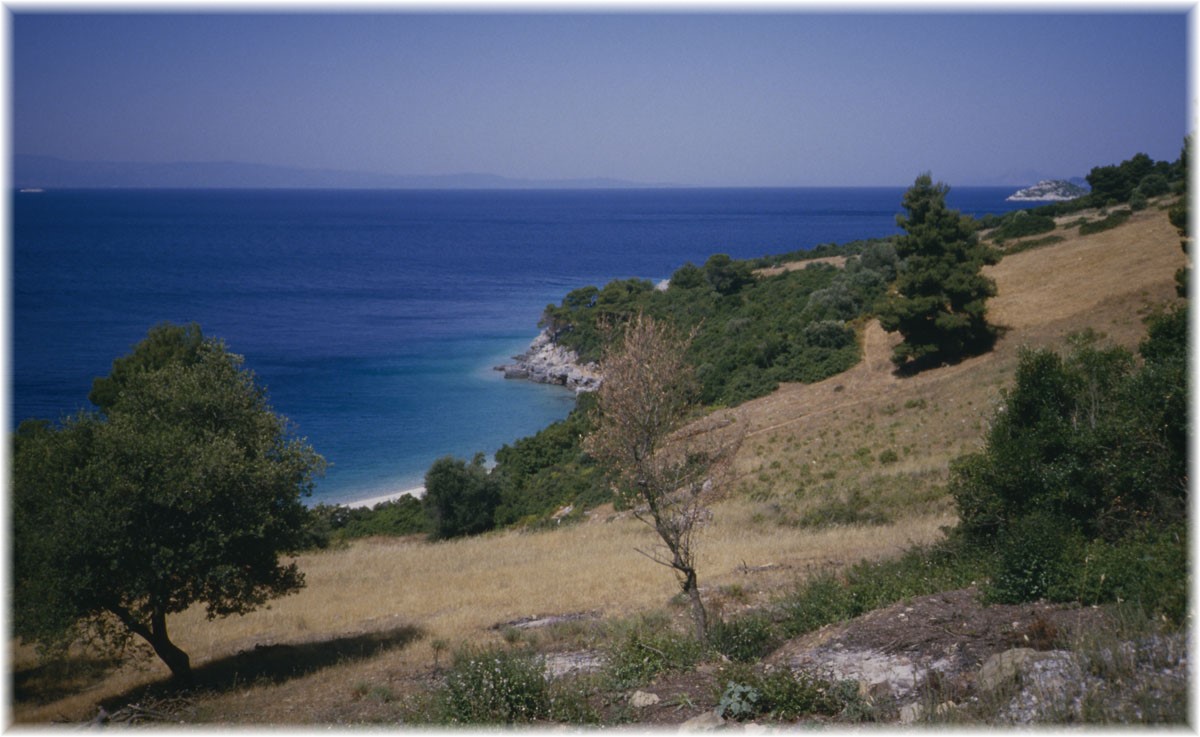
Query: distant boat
point(31, 189)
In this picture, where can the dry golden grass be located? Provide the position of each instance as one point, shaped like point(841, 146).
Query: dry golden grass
point(838, 261)
point(460, 590)
point(806, 436)
point(804, 446)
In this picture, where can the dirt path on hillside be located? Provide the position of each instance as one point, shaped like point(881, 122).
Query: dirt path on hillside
point(866, 380)
point(1105, 281)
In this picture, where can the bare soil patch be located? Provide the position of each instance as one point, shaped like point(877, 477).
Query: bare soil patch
point(836, 261)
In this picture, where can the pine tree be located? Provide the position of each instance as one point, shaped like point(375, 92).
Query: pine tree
point(939, 299)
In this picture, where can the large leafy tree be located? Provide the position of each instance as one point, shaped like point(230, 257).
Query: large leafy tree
point(185, 489)
point(939, 301)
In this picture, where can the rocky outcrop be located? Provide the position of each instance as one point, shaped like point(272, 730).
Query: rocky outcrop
point(547, 362)
point(931, 657)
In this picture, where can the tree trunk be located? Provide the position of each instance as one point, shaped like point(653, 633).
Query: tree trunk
point(176, 659)
point(156, 634)
point(699, 616)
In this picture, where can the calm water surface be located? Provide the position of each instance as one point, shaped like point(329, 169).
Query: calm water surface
point(374, 317)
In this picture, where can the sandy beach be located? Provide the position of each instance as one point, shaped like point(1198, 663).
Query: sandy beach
point(417, 492)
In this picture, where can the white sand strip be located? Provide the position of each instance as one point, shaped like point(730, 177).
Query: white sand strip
point(417, 492)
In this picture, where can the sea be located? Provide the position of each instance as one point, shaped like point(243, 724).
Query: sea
point(374, 318)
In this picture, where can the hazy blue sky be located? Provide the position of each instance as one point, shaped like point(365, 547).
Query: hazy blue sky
point(790, 98)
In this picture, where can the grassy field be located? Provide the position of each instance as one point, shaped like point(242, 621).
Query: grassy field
point(850, 468)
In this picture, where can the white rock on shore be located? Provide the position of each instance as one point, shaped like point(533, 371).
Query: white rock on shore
point(546, 362)
point(1048, 190)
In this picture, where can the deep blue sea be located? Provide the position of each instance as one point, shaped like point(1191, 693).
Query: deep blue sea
point(373, 318)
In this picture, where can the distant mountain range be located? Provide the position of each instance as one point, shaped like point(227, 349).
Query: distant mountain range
point(46, 172)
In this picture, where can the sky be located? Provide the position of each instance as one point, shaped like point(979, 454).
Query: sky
point(786, 97)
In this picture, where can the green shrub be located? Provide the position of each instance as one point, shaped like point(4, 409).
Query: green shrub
point(1035, 559)
point(788, 696)
point(785, 695)
point(744, 639)
point(1081, 491)
point(1022, 223)
point(1091, 438)
point(739, 701)
point(855, 509)
point(751, 332)
point(830, 334)
point(495, 686)
point(335, 523)
point(1150, 570)
point(820, 600)
point(570, 703)
point(647, 648)
point(1115, 218)
point(1153, 185)
point(870, 585)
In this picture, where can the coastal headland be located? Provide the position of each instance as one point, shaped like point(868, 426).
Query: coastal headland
point(546, 362)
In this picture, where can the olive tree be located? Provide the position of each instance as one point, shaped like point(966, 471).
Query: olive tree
point(664, 471)
point(185, 489)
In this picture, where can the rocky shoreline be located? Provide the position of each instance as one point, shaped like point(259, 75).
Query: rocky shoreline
point(546, 362)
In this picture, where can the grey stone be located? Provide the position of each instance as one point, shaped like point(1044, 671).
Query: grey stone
point(1003, 667)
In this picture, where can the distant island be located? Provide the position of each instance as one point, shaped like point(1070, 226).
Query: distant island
point(41, 172)
point(1049, 190)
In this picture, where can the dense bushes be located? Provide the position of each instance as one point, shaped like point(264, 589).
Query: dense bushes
point(546, 471)
point(1118, 182)
point(752, 332)
point(332, 523)
point(1083, 478)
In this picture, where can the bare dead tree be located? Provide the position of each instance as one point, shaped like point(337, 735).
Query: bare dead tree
point(667, 474)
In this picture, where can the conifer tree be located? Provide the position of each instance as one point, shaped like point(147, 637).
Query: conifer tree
point(938, 302)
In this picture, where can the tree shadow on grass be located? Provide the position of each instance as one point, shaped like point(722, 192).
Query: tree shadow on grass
point(60, 677)
point(274, 664)
point(985, 343)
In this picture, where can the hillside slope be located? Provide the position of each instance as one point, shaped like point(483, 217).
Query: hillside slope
point(801, 434)
point(865, 449)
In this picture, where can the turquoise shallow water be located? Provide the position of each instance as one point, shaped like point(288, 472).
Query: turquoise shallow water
point(374, 317)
